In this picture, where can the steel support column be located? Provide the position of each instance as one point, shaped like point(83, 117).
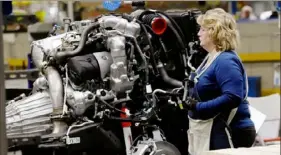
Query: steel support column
point(3, 138)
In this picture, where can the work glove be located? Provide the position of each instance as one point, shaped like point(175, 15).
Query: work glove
point(191, 103)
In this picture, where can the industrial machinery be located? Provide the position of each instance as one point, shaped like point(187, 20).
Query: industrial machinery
point(102, 84)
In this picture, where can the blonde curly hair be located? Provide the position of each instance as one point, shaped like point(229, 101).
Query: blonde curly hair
point(222, 29)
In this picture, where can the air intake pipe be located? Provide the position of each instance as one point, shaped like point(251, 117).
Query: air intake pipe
point(84, 37)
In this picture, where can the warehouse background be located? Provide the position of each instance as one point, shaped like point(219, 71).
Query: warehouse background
point(260, 38)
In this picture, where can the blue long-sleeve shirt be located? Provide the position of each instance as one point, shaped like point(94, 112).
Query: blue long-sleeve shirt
point(221, 88)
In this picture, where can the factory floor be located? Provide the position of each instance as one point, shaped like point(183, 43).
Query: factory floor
point(261, 150)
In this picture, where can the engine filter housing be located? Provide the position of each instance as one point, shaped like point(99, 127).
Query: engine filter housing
point(89, 66)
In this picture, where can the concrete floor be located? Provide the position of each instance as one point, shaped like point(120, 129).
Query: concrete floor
point(262, 150)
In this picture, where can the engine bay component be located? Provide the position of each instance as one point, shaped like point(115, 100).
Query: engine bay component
point(120, 82)
point(89, 66)
point(159, 25)
point(122, 25)
point(29, 115)
point(79, 101)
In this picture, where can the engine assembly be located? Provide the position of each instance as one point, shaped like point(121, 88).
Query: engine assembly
point(114, 68)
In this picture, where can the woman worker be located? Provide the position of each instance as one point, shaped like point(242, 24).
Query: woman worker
point(219, 114)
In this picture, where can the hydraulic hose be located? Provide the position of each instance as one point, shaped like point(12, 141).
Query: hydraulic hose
point(153, 61)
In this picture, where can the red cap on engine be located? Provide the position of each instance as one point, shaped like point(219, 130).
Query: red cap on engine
point(122, 115)
point(159, 25)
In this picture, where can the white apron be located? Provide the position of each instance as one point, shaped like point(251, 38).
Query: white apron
point(199, 132)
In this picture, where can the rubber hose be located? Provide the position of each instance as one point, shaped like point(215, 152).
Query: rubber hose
point(167, 79)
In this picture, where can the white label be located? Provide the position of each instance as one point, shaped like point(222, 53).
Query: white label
point(148, 89)
point(14, 153)
point(276, 74)
point(73, 140)
point(157, 135)
point(276, 78)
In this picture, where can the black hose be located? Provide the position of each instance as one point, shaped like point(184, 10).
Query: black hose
point(153, 61)
point(183, 49)
point(110, 106)
point(183, 54)
point(179, 38)
point(132, 49)
point(139, 119)
point(160, 41)
point(164, 14)
point(182, 43)
point(174, 23)
point(166, 78)
point(122, 119)
point(144, 61)
point(84, 37)
point(164, 48)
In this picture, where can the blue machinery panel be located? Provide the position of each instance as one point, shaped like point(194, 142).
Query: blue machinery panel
point(29, 66)
point(254, 86)
point(233, 7)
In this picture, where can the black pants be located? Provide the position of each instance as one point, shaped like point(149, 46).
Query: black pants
point(243, 137)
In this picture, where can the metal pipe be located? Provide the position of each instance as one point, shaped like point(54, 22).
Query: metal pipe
point(56, 93)
point(70, 11)
point(37, 56)
point(3, 137)
point(55, 87)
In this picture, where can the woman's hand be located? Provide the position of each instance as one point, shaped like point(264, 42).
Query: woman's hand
point(191, 103)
